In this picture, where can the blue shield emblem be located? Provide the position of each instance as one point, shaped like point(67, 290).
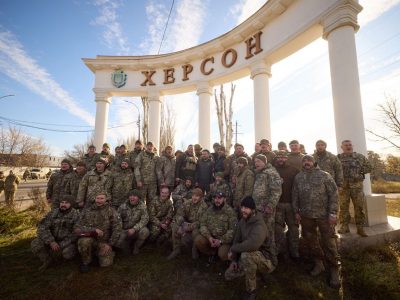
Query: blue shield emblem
point(118, 78)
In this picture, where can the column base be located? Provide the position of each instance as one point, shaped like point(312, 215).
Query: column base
point(375, 210)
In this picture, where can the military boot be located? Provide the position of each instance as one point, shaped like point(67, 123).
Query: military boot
point(344, 228)
point(137, 246)
point(318, 268)
point(334, 281)
point(174, 253)
point(360, 231)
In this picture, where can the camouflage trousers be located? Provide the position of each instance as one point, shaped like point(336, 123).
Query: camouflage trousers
point(87, 245)
point(203, 245)
point(285, 216)
point(45, 254)
point(9, 198)
point(181, 238)
point(149, 191)
point(270, 246)
point(249, 264)
point(126, 242)
point(327, 239)
point(159, 234)
point(356, 194)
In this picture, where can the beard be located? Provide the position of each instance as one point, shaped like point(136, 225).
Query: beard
point(216, 207)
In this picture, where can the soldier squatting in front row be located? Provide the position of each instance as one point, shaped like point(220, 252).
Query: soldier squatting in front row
point(239, 214)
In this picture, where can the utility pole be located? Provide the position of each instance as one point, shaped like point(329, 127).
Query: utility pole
point(236, 131)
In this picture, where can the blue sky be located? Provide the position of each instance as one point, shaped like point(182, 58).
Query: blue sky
point(42, 43)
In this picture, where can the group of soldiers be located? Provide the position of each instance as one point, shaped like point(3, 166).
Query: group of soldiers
point(235, 208)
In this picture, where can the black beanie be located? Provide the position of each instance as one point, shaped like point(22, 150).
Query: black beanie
point(248, 202)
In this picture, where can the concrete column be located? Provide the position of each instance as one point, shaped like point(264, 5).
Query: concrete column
point(154, 118)
point(204, 92)
point(260, 73)
point(339, 30)
point(103, 101)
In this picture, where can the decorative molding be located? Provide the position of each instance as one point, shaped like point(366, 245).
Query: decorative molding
point(260, 68)
point(102, 95)
point(204, 88)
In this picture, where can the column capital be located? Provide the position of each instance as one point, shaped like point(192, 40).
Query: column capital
point(343, 14)
point(102, 95)
point(260, 67)
point(203, 88)
point(154, 95)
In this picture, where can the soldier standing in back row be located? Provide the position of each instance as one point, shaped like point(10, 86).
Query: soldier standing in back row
point(328, 162)
point(90, 158)
point(166, 169)
point(10, 188)
point(55, 183)
point(355, 166)
point(72, 180)
point(295, 156)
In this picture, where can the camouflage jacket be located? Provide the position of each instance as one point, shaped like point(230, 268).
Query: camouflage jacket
point(145, 167)
point(267, 188)
point(243, 186)
point(314, 194)
point(55, 185)
point(121, 184)
point(132, 157)
point(108, 157)
point(218, 223)
point(295, 160)
point(191, 212)
point(11, 183)
point(161, 211)
point(133, 216)
point(90, 161)
point(270, 155)
point(93, 183)
point(57, 226)
point(186, 166)
point(220, 187)
point(355, 166)
point(231, 165)
point(328, 162)
point(116, 163)
point(71, 184)
point(166, 170)
point(182, 192)
point(102, 217)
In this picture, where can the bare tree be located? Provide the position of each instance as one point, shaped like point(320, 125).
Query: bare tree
point(79, 150)
point(145, 127)
point(167, 128)
point(224, 116)
point(129, 142)
point(390, 118)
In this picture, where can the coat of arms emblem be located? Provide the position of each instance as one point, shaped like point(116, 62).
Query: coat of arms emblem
point(118, 78)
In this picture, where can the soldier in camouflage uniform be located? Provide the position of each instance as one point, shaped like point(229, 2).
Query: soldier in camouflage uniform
point(295, 156)
point(284, 215)
point(186, 165)
point(161, 213)
point(106, 155)
point(216, 229)
point(355, 166)
point(55, 233)
point(315, 202)
point(56, 182)
point(244, 184)
point(266, 150)
point(145, 173)
point(219, 186)
point(247, 251)
point(166, 169)
point(98, 229)
point(90, 158)
point(2, 182)
point(121, 155)
point(231, 163)
point(72, 180)
point(266, 193)
point(328, 162)
point(134, 218)
point(182, 192)
point(10, 188)
point(95, 181)
point(135, 152)
point(185, 226)
point(121, 183)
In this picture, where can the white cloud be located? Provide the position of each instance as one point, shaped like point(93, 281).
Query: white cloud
point(18, 65)
point(374, 9)
point(112, 35)
point(245, 8)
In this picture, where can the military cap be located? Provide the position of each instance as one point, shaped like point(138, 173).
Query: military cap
point(248, 202)
point(308, 157)
point(197, 147)
point(68, 198)
point(262, 157)
point(101, 160)
point(242, 160)
point(125, 160)
point(219, 174)
point(81, 164)
point(264, 142)
point(281, 144)
point(320, 141)
point(281, 154)
point(66, 161)
point(136, 193)
point(216, 145)
point(220, 195)
point(293, 142)
point(106, 145)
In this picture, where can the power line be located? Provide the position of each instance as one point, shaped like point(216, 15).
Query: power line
point(166, 26)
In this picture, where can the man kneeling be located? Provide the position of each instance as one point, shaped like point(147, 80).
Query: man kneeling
point(55, 233)
point(134, 218)
point(99, 229)
point(246, 252)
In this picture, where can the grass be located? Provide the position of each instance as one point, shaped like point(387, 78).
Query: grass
point(393, 207)
point(369, 274)
point(385, 187)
